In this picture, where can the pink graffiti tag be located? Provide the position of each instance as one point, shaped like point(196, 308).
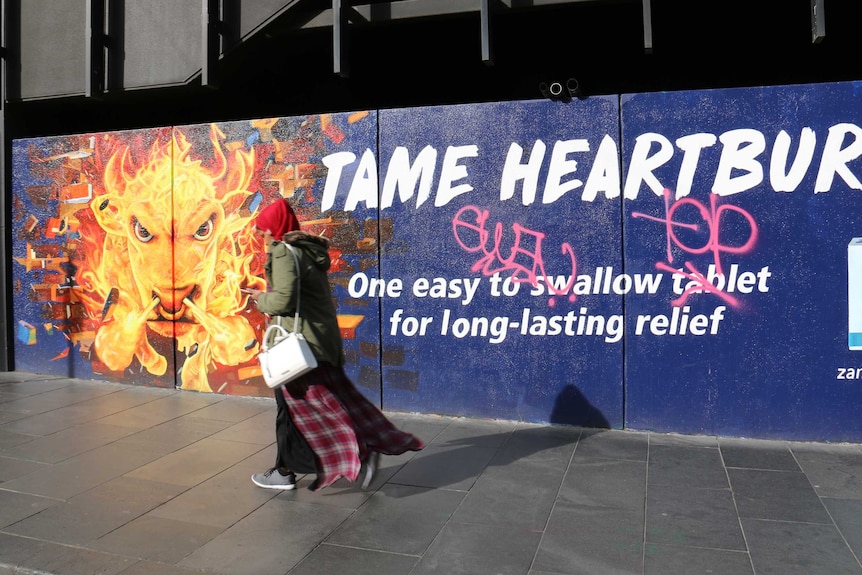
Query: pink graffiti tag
point(712, 217)
point(472, 220)
point(698, 284)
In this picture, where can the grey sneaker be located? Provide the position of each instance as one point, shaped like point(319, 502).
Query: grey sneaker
point(273, 479)
point(371, 465)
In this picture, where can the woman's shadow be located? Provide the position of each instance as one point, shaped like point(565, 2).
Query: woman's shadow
point(572, 408)
point(457, 454)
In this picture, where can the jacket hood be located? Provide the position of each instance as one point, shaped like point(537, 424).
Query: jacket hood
point(315, 246)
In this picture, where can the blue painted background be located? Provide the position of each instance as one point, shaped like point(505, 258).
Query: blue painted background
point(772, 369)
point(565, 379)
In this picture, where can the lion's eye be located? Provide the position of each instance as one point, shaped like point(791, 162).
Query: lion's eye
point(205, 230)
point(142, 233)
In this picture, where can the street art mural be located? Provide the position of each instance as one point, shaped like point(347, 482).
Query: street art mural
point(134, 247)
point(167, 260)
point(682, 262)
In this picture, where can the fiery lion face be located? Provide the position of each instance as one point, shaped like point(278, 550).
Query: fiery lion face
point(175, 258)
point(177, 250)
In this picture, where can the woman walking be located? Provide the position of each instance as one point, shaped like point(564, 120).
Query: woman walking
point(325, 418)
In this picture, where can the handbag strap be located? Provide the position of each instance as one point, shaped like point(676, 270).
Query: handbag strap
point(298, 287)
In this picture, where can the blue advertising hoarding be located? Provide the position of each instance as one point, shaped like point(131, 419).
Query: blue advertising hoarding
point(687, 262)
point(495, 223)
point(744, 203)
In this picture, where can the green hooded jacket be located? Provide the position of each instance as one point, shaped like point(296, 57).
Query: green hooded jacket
point(317, 315)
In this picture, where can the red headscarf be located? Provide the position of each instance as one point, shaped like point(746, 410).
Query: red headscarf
point(278, 218)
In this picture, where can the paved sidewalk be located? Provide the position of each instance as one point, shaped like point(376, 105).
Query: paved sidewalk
point(105, 478)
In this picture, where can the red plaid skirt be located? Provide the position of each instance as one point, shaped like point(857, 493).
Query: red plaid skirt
point(340, 425)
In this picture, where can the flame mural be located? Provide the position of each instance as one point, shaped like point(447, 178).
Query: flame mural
point(132, 247)
point(179, 276)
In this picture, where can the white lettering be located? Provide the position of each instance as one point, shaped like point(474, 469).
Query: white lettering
point(740, 151)
point(364, 186)
point(401, 175)
point(452, 172)
point(691, 146)
point(605, 174)
point(334, 163)
point(560, 167)
point(835, 158)
point(780, 180)
point(642, 164)
point(514, 170)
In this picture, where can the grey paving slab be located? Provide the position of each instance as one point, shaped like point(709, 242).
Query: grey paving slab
point(445, 466)
point(426, 428)
point(8, 378)
point(47, 423)
point(68, 443)
point(784, 548)
point(519, 493)
point(597, 525)
point(127, 396)
point(693, 517)
point(602, 483)
point(161, 410)
point(686, 466)
point(195, 463)
point(7, 416)
point(521, 482)
point(587, 541)
point(776, 495)
point(82, 472)
point(156, 539)
point(470, 549)
point(258, 429)
point(335, 559)
point(17, 506)
point(823, 449)
point(11, 468)
point(25, 387)
point(234, 410)
point(613, 444)
point(180, 432)
point(16, 550)
point(678, 440)
point(58, 398)
point(675, 560)
point(88, 410)
point(387, 521)
point(772, 455)
point(156, 568)
point(83, 411)
point(834, 472)
point(538, 443)
point(342, 493)
point(96, 512)
point(10, 439)
point(232, 489)
point(65, 560)
point(272, 539)
point(847, 516)
point(476, 433)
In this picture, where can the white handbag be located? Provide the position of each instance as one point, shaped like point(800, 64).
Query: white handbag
point(285, 355)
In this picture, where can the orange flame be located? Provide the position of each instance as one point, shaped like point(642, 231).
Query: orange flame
point(174, 238)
